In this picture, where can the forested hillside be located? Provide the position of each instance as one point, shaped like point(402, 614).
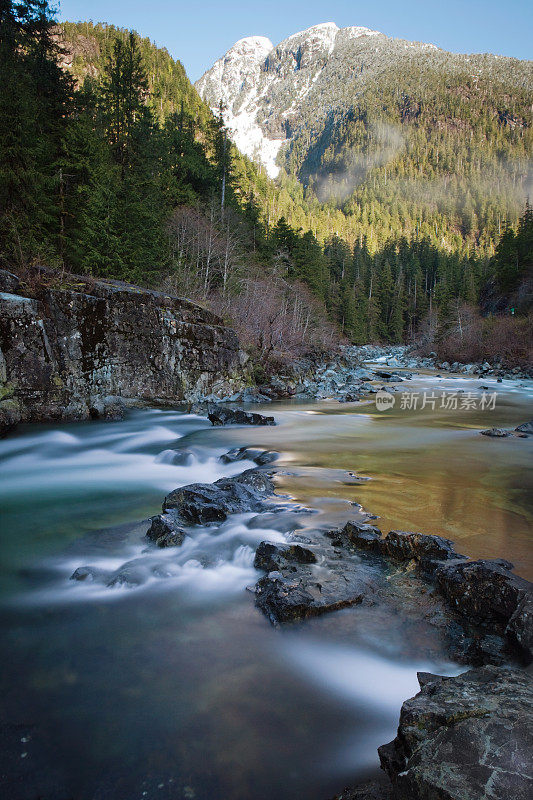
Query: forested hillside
point(112, 166)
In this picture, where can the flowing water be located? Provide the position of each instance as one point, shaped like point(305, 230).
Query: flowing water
point(180, 688)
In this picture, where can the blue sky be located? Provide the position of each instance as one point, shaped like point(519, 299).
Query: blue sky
point(200, 32)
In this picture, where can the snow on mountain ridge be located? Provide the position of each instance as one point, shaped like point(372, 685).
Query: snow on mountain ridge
point(263, 88)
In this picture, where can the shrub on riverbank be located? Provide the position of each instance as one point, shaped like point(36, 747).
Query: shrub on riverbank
point(469, 337)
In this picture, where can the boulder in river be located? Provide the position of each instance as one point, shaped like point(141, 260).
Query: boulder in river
point(526, 427)
point(221, 415)
point(271, 556)
point(399, 545)
point(200, 503)
point(464, 738)
point(283, 598)
point(497, 433)
point(259, 457)
point(487, 591)
point(166, 531)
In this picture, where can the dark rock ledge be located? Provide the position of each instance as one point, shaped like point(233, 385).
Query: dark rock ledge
point(482, 609)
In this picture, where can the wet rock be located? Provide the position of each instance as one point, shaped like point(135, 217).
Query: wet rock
point(131, 575)
point(399, 545)
point(520, 626)
point(464, 738)
point(359, 534)
point(271, 556)
point(108, 408)
point(405, 545)
point(201, 503)
point(495, 432)
point(165, 530)
point(487, 591)
point(350, 397)
point(286, 598)
point(394, 576)
point(220, 415)
point(90, 575)
point(526, 427)
point(260, 457)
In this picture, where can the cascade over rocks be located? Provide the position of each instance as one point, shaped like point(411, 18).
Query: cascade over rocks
point(462, 738)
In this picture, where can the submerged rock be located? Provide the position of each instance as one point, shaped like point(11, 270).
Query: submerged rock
point(260, 457)
point(131, 574)
point(90, 574)
point(464, 738)
point(220, 415)
point(499, 433)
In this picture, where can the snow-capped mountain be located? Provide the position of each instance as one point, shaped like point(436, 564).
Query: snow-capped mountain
point(282, 103)
point(264, 89)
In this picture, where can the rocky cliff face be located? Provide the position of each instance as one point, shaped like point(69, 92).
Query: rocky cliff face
point(67, 353)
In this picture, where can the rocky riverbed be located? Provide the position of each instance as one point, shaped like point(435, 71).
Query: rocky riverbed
point(231, 516)
point(454, 738)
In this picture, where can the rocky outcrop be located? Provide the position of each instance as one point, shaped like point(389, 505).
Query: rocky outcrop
point(73, 353)
point(464, 738)
point(200, 503)
point(480, 610)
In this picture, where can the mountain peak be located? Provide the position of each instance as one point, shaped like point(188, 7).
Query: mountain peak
point(272, 93)
point(259, 45)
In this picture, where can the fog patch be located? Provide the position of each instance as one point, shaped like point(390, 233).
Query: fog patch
point(386, 141)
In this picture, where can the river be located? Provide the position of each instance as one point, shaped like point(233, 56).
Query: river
point(180, 688)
